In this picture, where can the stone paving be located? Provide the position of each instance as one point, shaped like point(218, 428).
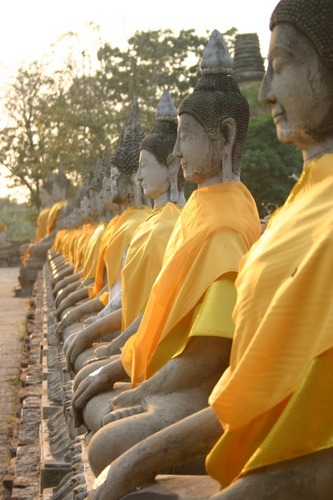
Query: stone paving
point(13, 311)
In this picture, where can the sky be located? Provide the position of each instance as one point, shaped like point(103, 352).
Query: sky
point(30, 28)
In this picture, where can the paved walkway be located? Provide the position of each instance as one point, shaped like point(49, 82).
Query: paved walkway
point(12, 330)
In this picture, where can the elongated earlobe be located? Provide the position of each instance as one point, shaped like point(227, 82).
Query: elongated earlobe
point(228, 129)
point(173, 164)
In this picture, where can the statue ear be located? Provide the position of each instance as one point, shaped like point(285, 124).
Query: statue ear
point(137, 190)
point(228, 130)
point(173, 165)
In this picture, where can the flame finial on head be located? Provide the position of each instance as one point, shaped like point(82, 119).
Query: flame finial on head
point(166, 110)
point(216, 58)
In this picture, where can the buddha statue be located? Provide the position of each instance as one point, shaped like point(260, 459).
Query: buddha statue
point(53, 198)
point(272, 403)
point(95, 212)
point(124, 163)
point(183, 343)
point(161, 180)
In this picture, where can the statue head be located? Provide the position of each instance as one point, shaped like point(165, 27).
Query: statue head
point(216, 107)
point(157, 173)
point(96, 189)
point(85, 208)
point(61, 186)
point(45, 193)
point(124, 162)
point(298, 83)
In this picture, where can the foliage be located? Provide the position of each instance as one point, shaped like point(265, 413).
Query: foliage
point(20, 220)
point(269, 167)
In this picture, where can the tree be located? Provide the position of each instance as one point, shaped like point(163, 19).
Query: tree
point(269, 167)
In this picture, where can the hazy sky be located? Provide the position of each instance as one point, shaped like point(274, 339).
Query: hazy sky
point(30, 27)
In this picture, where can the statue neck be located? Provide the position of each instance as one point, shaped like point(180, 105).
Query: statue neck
point(209, 182)
point(162, 200)
point(317, 150)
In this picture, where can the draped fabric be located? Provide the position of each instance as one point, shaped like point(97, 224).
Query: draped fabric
point(144, 260)
point(41, 230)
point(54, 214)
point(91, 252)
point(100, 265)
point(283, 337)
point(217, 226)
point(121, 237)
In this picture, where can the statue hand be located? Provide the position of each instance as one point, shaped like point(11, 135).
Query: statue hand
point(79, 343)
point(93, 384)
point(128, 398)
point(102, 351)
point(107, 350)
point(65, 321)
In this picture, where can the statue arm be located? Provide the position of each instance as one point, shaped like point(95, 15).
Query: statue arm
point(78, 312)
point(72, 299)
point(171, 446)
point(115, 345)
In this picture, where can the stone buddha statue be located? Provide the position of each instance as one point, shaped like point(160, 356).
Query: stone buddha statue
point(273, 402)
point(162, 181)
point(53, 197)
point(93, 210)
point(124, 164)
point(183, 344)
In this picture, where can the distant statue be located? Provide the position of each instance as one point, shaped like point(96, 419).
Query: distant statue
point(162, 183)
point(162, 180)
point(183, 343)
point(53, 197)
point(130, 200)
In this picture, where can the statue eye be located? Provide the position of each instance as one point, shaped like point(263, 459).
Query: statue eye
point(279, 62)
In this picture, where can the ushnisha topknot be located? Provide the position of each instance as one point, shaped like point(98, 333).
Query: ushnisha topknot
point(161, 139)
point(126, 156)
point(314, 18)
point(48, 184)
point(216, 97)
point(216, 59)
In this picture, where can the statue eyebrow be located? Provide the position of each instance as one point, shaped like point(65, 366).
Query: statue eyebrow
point(278, 49)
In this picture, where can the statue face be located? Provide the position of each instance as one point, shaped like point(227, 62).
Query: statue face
point(76, 216)
point(294, 87)
point(96, 202)
point(199, 155)
point(58, 192)
point(121, 187)
point(152, 175)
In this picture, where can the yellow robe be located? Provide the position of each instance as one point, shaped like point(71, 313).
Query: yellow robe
point(100, 266)
point(41, 230)
point(144, 260)
point(122, 234)
point(216, 228)
point(91, 252)
point(54, 214)
point(273, 400)
point(80, 245)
